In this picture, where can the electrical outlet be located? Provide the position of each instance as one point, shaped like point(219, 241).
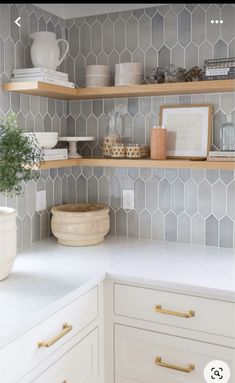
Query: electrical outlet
point(128, 199)
point(41, 200)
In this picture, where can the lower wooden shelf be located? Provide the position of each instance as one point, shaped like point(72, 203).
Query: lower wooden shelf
point(140, 163)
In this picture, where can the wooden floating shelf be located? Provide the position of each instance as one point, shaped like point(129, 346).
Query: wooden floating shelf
point(141, 163)
point(42, 89)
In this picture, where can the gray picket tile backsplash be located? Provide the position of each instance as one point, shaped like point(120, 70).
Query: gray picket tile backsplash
point(179, 205)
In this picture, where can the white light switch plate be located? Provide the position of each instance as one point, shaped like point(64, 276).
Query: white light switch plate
point(41, 200)
point(128, 199)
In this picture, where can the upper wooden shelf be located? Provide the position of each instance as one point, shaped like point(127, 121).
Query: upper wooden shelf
point(141, 163)
point(38, 88)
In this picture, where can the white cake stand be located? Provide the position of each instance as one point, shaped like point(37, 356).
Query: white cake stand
point(73, 144)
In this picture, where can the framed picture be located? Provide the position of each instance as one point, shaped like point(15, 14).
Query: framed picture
point(188, 130)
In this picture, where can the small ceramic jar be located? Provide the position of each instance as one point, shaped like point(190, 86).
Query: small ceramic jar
point(119, 151)
point(133, 151)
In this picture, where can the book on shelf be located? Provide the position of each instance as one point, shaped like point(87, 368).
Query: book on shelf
point(44, 78)
point(55, 151)
point(39, 75)
point(41, 71)
point(221, 159)
point(54, 157)
point(221, 154)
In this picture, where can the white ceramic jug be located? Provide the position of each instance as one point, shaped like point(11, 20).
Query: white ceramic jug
point(45, 51)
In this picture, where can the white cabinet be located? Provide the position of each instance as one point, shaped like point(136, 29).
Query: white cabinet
point(151, 357)
point(77, 365)
point(39, 343)
point(162, 336)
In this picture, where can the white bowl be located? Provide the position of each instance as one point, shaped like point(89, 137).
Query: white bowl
point(47, 140)
point(134, 68)
point(97, 80)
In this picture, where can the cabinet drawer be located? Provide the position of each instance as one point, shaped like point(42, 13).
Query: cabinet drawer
point(78, 365)
point(24, 351)
point(211, 316)
point(136, 352)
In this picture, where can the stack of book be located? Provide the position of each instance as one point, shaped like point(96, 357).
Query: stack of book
point(55, 154)
point(221, 156)
point(41, 74)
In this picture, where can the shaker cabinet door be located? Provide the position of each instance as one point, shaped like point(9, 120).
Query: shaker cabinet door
point(78, 365)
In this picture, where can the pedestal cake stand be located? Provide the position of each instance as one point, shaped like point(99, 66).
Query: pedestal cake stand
point(73, 144)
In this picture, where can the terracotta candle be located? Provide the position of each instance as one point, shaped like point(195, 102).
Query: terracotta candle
point(158, 145)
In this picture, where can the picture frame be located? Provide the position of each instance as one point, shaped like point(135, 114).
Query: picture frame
point(188, 130)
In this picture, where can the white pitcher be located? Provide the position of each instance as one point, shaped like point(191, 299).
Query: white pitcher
point(45, 51)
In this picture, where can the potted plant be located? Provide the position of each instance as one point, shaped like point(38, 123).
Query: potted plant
point(19, 155)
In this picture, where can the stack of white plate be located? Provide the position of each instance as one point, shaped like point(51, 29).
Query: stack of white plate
point(98, 75)
point(129, 74)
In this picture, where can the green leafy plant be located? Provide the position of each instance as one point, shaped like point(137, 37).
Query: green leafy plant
point(19, 154)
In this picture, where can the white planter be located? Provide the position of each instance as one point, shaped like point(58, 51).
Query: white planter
point(80, 224)
point(45, 51)
point(8, 241)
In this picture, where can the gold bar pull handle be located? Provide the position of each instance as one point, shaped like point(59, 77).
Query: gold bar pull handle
point(65, 329)
point(159, 309)
point(158, 362)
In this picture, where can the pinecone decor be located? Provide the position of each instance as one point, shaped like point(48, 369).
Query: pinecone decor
point(157, 77)
point(194, 74)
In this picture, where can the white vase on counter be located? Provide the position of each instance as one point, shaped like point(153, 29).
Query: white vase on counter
point(45, 51)
point(8, 240)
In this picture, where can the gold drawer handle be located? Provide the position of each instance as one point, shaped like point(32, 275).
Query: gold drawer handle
point(65, 329)
point(159, 362)
point(190, 314)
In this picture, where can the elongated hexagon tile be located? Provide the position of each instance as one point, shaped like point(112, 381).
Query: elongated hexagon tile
point(113, 59)
point(177, 197)
point(44, 224)
point(170, 28)
point(228, 26)
point(205, 52)
point(151, 60)
point(212, 30)
point(198, 26)
point(227, 102)
point(115, 193)
point(158, 226)
point(150, 11)
point(4, 20)
point(211, 231)
point(9, 56)
point(145, 173)
point(218, 198)
point(108, 37)
point(15, 102)
point(27, 231)
point(58, 191)
point(226, 233)
point(212, 175)
point(191, 56)
point(97, 108)
point(157, 31)
point(133, 224)
point(231, 48)
point(133, 105)
point(205, 198)
point(36, 227)
point(165, 203)
point(139, 191)
point(145, 225)
point(119, 35)
point(19, 55)
point(121, 223)
point(178, 56)
point(81, 189)
point(171, 174)
point(92, 190)
point(230, 200)
point(164, 9)
point(103, 187)
point(184, 228)
point(73, 41)
point(132, 34)
point(152, 195)
point(47, 123)
point(70, 126)
point(14, 29)
point(164, 57)
point(198, 230)
point(191, 197)
point(185, 174)
point(41, 23)
point(85, 39)
point(171, 227)
point(79, 71)
point(24, 29)
point(220, 49)
point(184, 27)
point(144, 32)
point(125, 56)
point(102, 58)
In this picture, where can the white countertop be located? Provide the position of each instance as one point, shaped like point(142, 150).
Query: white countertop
point(45, 274)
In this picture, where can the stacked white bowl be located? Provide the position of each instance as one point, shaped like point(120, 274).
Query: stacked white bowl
point(46, 140)
point(129, 74)
point(98, 75)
